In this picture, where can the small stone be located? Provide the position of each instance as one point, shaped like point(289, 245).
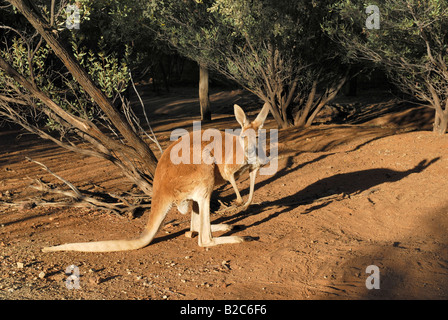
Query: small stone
point(28, 205)
point(191, 234)
point(42, 275)
point(20, 265)
point(95, 280)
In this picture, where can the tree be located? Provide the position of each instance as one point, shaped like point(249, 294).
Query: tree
point(410, 45)
point(118, 24)
point(275, 49)
point(204, 100)
point(40, 77)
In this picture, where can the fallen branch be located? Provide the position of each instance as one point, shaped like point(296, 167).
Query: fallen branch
point(71, 186)
point(80, 200)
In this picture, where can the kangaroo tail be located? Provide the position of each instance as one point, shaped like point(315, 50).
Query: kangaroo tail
point(104, 246)
point(156, 218)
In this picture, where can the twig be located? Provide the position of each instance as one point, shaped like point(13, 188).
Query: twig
point(71, 186)
point(146, 117)
point(223, 204)
point(82, 200)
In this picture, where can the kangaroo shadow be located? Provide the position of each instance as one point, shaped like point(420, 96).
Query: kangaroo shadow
point(287, 169)
point(350, 183)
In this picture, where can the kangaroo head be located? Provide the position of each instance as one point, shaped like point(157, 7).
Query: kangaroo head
point(249, 131)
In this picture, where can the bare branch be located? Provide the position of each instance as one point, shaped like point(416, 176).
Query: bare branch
point(153, 138)
point(82, 200)
point(71, 186)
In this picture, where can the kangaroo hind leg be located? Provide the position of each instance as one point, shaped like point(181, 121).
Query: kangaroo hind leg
point(196, 223)
point(205, 238)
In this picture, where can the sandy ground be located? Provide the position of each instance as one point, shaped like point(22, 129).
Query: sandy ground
point(345, 197)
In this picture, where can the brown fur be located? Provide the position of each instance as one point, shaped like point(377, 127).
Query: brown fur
point(189, 187)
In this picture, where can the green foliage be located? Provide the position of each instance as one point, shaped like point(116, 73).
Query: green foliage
point(118, 27)
point(108, 71)
point(411, 32)
point(411, 44)
point(267, 46)
point(108, 68)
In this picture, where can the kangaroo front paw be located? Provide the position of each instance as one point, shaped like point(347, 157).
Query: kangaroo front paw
point(226, 240)
point(221, 227)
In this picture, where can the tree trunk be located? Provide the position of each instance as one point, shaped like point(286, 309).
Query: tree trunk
point(302, 114)
point(84, 128)
point(440, 122)
point(306, 120)
point(204, 100)
point(282, 124)
point(118, 120)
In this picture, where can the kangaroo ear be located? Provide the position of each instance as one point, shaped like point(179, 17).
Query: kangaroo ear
point(240, 115)
point(261, 118)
